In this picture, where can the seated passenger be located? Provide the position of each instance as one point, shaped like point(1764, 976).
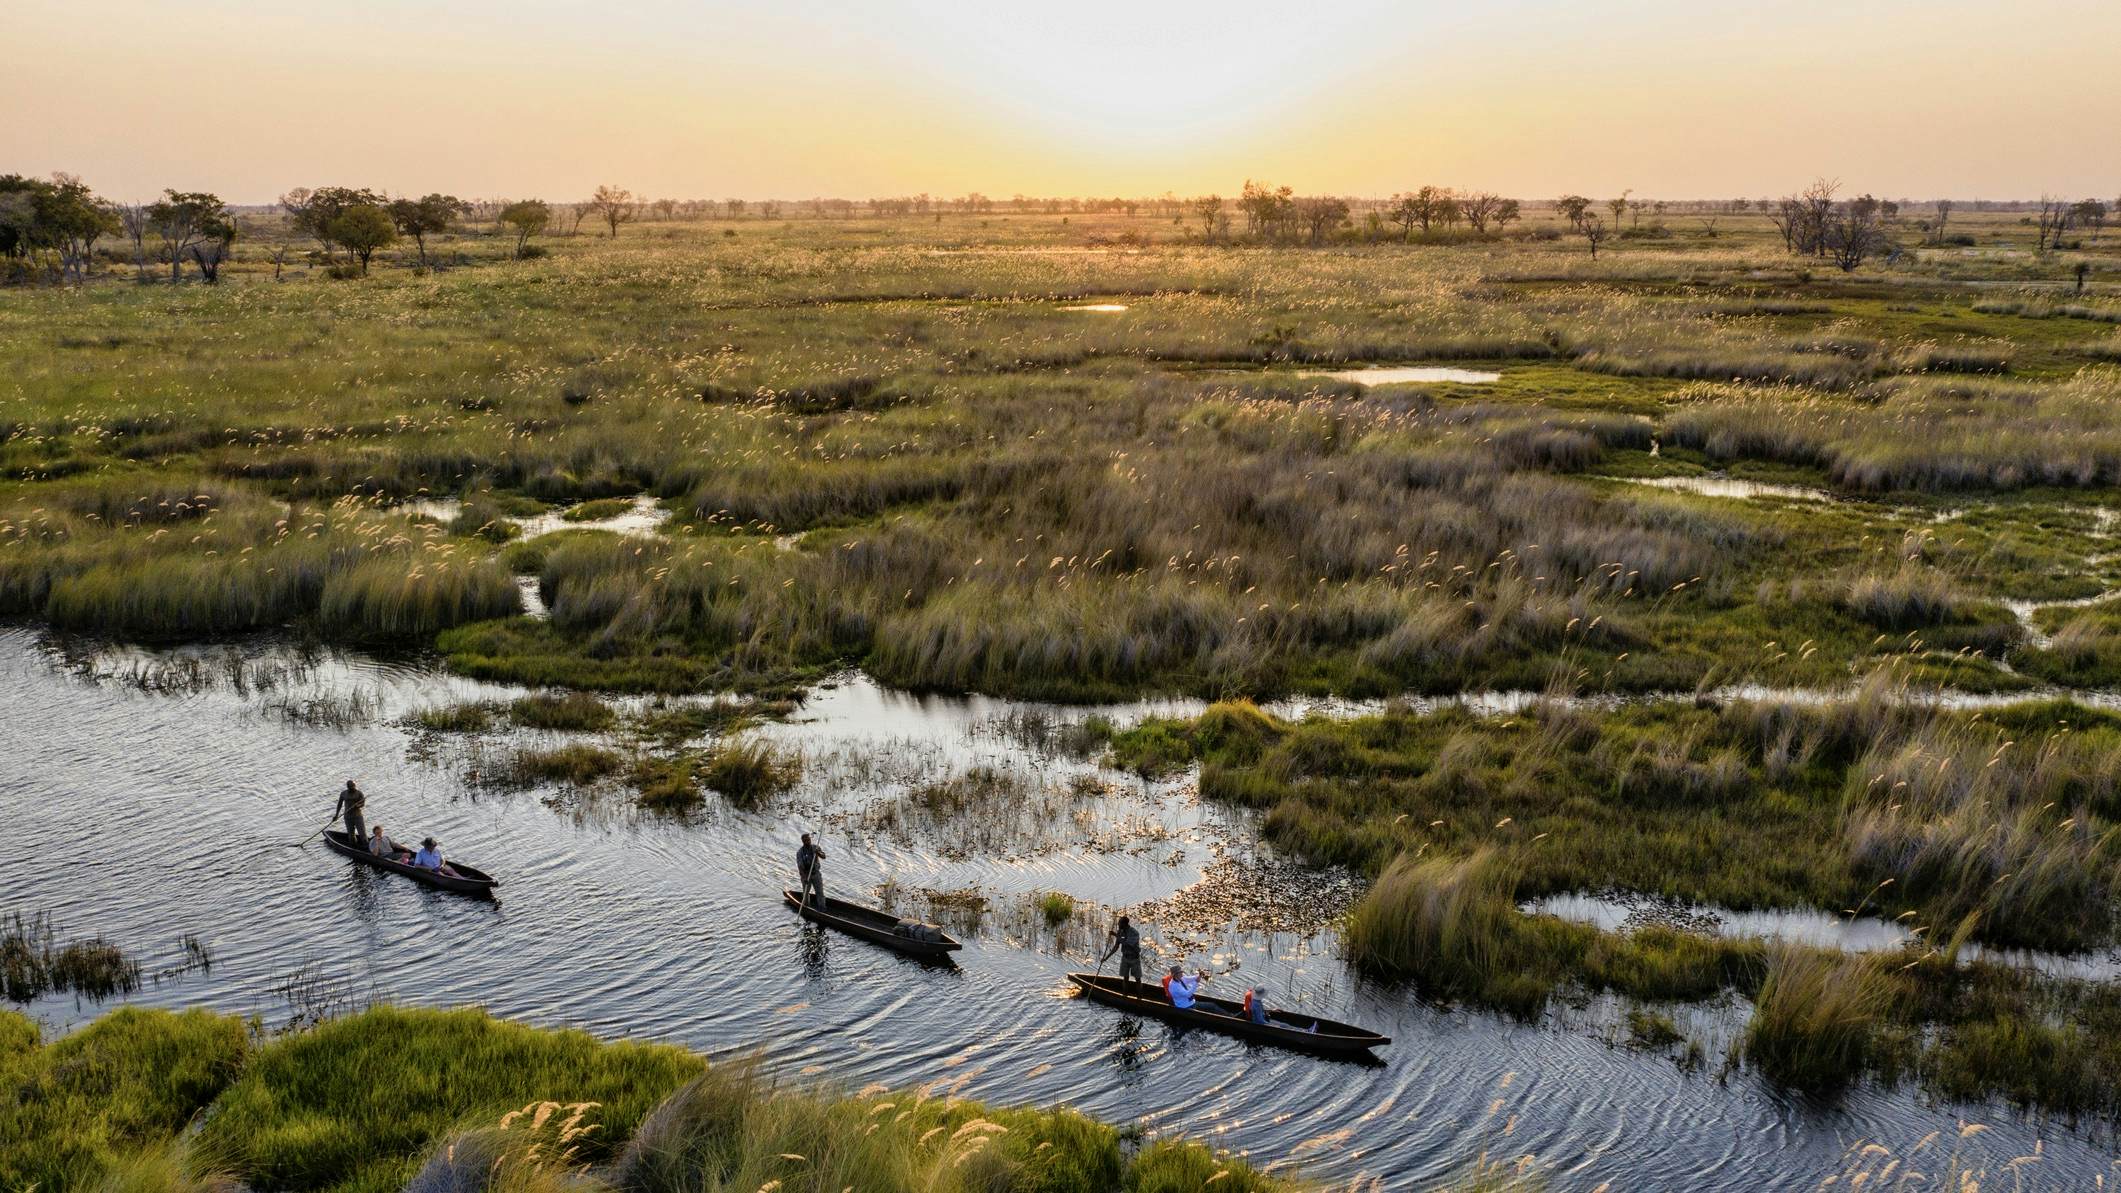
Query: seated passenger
point(1182, 988)
point(1256, 1004)
point(383, 847)
point(430, 858)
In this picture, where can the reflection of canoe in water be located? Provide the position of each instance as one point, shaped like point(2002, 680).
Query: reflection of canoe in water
point(469, 881)
point(1285, 1028)
point(871, 924)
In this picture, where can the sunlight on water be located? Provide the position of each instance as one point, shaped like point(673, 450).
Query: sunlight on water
point(1413, 375)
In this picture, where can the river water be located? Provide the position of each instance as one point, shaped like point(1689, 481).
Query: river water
point(143, 802)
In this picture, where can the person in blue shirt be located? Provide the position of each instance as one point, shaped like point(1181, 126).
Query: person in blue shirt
point(1182, 988)
point(1256, 1004)
point(430, 858)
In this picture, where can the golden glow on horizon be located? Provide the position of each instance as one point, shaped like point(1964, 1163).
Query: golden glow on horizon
point(695, 98)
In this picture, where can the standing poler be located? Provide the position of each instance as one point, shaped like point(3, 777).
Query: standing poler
point(810, 867)
point(1127, 942)
point(353, 804)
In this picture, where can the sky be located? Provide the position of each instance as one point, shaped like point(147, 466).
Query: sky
point(860, 98)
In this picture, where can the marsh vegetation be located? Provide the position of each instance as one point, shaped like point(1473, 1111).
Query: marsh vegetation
point(740, 456)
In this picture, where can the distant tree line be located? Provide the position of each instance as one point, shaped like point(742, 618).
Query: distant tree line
point(50, 228)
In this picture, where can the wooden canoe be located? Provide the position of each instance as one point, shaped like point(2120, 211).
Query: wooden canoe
point(468, 881)
point(870, 924)
point(1286, 1028)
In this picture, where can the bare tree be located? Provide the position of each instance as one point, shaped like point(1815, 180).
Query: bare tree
point(1944, 215)
point(1479, 208)
point(1593, 230)
point(1320, 216)
point(133, 220)
point(1851, 232)
point(2053, 222)
point(615, 206)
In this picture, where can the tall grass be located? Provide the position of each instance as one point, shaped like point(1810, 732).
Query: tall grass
point(1817, 1018)
point(353, 1104)
point(749, 773)
point(78, 1109)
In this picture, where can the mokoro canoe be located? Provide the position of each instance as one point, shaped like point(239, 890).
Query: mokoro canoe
point(1285, 1028)
point(870, 924)
point(469, 881)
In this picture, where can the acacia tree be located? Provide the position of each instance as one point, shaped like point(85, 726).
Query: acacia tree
point(615, 206)
point(362, 229)
point(1267, 211)
point(1573, 208)
point(2090, 213)
point(527, 218)
point(75, 219)
point(186, 219)
point(1594, 231)
point(1619, 207)
point(312, 212)
point(425, 217)
point(1208, 209)
point(1507, 212)
point(1405, 212)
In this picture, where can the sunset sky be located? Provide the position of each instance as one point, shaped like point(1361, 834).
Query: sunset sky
point(702, 98)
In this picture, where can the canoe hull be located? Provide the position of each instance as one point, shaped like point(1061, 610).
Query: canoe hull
point(1284, 1028)
point(471, 881)
point(871, 925)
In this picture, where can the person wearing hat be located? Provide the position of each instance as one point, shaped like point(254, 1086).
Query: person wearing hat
point(352, 804)
point(1182, 988)
point(1256, 1004)
point(430, 858)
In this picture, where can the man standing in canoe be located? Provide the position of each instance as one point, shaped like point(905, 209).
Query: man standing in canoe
point(810, 867)
point(353, 804)
point(1128, 944)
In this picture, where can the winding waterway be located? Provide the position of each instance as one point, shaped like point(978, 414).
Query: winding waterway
point(145, 814)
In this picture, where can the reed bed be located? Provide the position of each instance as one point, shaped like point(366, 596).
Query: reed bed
point(999, 493)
